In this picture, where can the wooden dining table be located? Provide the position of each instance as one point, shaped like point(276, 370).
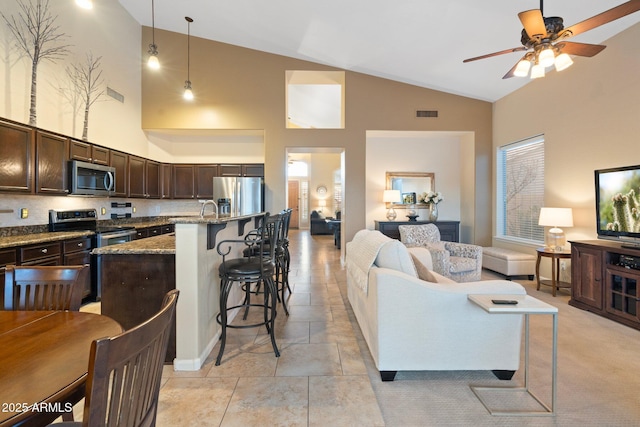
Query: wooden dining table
point(44, 359)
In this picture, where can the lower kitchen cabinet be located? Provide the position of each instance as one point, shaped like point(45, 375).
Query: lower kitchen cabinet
point(133, 287)
point(78, 252)
point(41, 254)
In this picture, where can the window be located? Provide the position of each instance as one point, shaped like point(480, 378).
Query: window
point(520, 192)
point(315, 99)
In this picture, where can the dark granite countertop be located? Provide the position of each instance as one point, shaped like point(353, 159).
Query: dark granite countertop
point(211, 219)
point(165, 244)
point(34, 238)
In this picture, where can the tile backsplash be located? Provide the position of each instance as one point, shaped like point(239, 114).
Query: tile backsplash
point(38, 207)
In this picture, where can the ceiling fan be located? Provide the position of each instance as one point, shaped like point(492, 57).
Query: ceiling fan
point(544, 39)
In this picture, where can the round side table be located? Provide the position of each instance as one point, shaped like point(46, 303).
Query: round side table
point(555, 282)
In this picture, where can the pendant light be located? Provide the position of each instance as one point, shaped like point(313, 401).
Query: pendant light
point(153, 62)
point(188, 94)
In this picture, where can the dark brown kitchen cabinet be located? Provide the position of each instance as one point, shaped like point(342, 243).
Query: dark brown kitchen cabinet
point(153, 179)
point(87, 152)
point(247, 169)
point(230, 170)
point(133, 288)
point(204, 180)
point(17, 149)
point(166, 181)
point(255, 170)
point(41, 254)
point(136, 177)
point(78, 252)
point(183, 182)
point(120, 161)
point(52, 156)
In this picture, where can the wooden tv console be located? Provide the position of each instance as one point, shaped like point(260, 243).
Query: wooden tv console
point(600, 283)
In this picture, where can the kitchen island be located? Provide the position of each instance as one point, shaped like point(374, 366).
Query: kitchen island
point(137, 274)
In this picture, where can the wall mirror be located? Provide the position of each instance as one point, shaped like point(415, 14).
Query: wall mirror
point(410, 185)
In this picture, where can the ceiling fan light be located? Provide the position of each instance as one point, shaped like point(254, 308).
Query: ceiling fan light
point(85, 4)
point(547, 57)
point(522, 69)
point(537, 71)
point(563, 61)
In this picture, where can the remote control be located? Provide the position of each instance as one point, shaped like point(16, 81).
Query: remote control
point(504, 301)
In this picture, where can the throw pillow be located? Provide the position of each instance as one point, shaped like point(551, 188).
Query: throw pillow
point(423, 272)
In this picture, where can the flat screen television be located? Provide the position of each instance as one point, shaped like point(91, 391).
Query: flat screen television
point(618, 204)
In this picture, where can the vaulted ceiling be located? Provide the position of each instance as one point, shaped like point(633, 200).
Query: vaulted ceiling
point(420, 42)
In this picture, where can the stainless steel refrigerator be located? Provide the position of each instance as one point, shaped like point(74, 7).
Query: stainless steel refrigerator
point(238, 195)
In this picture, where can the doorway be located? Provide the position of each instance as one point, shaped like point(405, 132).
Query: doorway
point(293, 202)
point(315, 180)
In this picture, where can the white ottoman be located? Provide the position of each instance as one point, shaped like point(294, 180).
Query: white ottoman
point(508, 262)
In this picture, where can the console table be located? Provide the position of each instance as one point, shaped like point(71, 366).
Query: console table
point(604, 278)
point(449, 230)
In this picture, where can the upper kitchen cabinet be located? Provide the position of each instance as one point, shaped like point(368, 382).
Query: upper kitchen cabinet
point(120, 161)
point(137, 187)
point(255, 170)
point(166, 181)
point(87, 152)
point(230, 170)
point(204, 180)
point(16, 157)
point(183, 181)
point(153, 179)
point(52, 156)
point(250, 169)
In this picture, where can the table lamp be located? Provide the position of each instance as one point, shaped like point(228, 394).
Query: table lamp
point(322, 203)
point(391, 196)
point(555, 218)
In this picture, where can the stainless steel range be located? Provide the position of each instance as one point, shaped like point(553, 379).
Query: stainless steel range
point(86, 220)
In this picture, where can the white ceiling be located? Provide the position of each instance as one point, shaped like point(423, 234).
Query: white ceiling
point(420, 42)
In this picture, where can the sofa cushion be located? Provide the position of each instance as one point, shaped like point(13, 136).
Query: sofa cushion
point(394, 255)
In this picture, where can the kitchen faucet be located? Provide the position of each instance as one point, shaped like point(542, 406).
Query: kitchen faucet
point(204, 205)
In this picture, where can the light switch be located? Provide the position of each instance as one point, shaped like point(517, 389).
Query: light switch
point(24, 213)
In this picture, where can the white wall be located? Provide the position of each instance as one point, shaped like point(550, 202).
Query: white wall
point(111, 123)
point(447, 154)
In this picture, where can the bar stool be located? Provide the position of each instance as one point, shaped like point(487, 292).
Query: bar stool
point(258, 267)
point(282, 258)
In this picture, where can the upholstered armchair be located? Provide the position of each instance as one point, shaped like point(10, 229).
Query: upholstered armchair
point(458, 261)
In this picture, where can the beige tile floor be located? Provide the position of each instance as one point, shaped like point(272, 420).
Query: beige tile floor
point(320, 378)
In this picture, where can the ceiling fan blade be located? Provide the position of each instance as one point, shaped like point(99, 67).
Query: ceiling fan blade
point(603, 18)
point(502, 52)
point(533, 23)
point(581, 49)
point(513, 69)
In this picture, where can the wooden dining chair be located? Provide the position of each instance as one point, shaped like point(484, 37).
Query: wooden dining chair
point(35, 288)
point(125, 371)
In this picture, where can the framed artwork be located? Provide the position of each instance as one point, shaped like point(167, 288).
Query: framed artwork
point(409, 198)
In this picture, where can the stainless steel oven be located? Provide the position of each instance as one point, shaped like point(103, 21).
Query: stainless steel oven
point(86, 219)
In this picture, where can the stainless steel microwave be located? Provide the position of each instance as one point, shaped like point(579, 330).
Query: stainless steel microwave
point(90, 179)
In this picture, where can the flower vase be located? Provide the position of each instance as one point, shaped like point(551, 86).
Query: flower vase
point(433, 212)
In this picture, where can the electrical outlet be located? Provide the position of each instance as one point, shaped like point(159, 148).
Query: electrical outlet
point(563, 266)
point(103, 211)
point(24, 213)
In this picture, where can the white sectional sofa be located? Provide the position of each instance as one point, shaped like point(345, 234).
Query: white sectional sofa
point(415, 324)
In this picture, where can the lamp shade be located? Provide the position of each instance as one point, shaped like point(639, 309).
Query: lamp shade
point(556, 217)
point(391, 196)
